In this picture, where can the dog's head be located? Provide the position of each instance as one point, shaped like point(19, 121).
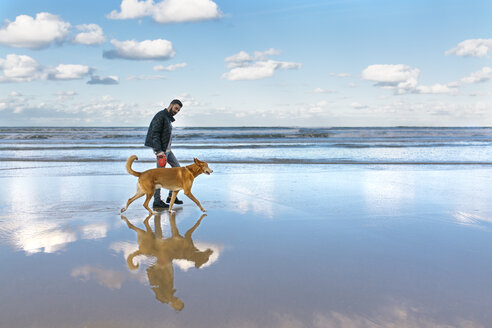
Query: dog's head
point(203, 166)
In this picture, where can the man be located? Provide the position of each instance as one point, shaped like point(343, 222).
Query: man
point(159, 138)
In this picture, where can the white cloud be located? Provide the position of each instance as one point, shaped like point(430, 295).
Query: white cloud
point(170, 68)
point(176, 11)
point(242, 58)
point(482, 75)
point(472, 47)
point(435, 89)
point(262, 55)
point(403, 79)
point(316, 108)
point(106, 110)
point(158, 49)
point(390, 74)
point(246, 67)
point(168, 11)
point(34, 33)
point(100, 111)
point(92, 34)
point(132, 9)
point(19, 68)
point(471, 113)
point(258, 70)
point(189, 101)
point(110, 80)
point(15, 102)
point(68, 72)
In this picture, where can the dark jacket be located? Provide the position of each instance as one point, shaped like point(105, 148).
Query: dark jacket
point(159, 133)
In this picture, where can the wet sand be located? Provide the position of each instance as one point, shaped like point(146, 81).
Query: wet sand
point(281, 246)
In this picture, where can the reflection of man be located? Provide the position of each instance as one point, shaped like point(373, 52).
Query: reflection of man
point(159, 137)
point(161, 278)
point(161, 274)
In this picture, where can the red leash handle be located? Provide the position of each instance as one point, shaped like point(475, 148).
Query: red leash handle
point(161, 160)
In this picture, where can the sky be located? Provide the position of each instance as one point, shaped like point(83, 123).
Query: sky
point(246, 62)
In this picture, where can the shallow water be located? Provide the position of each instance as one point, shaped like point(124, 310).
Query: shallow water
point(281, 246)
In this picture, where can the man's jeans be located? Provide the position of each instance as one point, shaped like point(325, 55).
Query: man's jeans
point(173, 161)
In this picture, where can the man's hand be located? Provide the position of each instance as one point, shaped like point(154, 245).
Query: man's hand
point(161, 159)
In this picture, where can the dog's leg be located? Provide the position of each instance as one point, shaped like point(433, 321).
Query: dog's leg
point(139, 194)
point(190, 196)
point(173, 198)
point(157, 225)
point(192, 229)
point(147, 224)
point(146, 203)
point(174, 227)
point(131, 226)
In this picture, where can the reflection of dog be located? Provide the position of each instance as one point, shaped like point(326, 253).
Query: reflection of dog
point(161, 273)
point(173, 178)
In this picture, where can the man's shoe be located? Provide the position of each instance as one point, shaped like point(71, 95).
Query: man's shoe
point(176, 201)
point(160, 204)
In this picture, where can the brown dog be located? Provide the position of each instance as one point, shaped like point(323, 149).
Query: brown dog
point(173, 178)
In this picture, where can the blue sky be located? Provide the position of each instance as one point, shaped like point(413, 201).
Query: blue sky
point(246, 63)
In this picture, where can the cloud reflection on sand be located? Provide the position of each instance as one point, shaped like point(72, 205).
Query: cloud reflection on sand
point(470, 219)
point(255, 197)
point(45, 237)
point(33, 234)
point(387, 190)
point(110, 278)
point(390, 316)
point(94, 231)
point(185, 265)
point(35, 226)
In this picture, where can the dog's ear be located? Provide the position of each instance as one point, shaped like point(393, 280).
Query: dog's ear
point(196, 160)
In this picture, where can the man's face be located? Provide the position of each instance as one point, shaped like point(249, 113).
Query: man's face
point(175, 108)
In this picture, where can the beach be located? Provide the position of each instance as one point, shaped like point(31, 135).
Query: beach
point(359, 240)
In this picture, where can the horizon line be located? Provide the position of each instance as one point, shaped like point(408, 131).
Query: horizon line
point(254, 126)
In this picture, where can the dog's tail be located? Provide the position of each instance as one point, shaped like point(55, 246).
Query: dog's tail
point(129, 260)
point(129, 163)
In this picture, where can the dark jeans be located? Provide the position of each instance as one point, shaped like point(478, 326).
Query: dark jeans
point(173, 161)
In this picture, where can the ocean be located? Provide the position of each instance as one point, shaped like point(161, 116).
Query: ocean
point(262, 145)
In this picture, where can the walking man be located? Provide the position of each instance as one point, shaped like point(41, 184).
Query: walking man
point(159, 137)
